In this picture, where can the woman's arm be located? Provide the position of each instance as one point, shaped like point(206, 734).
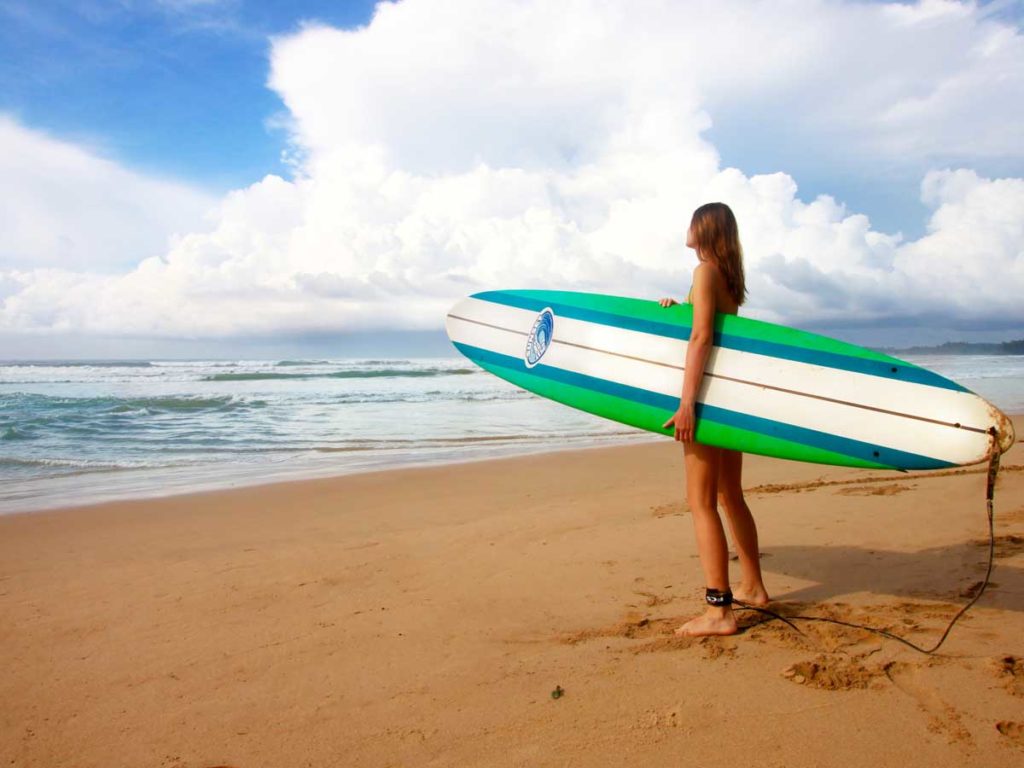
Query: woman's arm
point(701, 339)
point(702, 334)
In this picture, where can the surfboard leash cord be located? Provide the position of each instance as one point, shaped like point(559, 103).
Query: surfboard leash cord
point(993, 473)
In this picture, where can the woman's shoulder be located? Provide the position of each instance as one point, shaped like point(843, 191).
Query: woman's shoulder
point(708, 271)
point(708, 277)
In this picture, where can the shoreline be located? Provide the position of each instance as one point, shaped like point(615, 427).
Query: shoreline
point(237, 476)
point(256, 476)
point(425, 615)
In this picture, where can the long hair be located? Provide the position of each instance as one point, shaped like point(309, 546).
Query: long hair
point(718, 239)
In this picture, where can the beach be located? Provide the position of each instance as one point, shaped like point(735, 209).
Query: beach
point(342, 345)
point(513, 611)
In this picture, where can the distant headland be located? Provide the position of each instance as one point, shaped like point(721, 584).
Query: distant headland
point(964, 348)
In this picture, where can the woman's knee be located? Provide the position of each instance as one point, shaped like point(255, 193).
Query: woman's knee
point(732, 501)
point(702, 508)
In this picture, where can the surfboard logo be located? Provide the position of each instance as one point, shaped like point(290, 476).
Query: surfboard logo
point(539, 340)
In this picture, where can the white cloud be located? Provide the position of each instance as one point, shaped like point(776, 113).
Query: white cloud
point(457, 145)
point(67, 207)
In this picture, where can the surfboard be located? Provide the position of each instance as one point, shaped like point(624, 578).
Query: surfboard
point(767, 389)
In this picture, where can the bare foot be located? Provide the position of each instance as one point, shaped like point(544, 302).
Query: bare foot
point(756, 596)
point(716, 621)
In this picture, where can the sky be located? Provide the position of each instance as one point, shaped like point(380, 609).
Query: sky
point(219, 177)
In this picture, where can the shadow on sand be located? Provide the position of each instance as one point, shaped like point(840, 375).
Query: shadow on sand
point(947, 574)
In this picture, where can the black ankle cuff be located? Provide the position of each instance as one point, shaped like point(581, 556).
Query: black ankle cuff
point(718, 598)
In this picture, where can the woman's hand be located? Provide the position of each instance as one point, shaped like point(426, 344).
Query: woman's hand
point(685, 423)
point(667, 302)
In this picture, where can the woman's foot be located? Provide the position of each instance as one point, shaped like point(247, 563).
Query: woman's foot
point(715, 621)
point(754, 596)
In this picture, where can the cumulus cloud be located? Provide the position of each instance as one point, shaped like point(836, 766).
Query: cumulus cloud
point(456, 145)
point(66, 207)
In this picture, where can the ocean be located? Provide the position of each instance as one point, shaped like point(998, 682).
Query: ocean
point(91, 431)
point(74, 432)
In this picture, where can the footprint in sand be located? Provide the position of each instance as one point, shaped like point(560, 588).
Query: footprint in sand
point(673, 717)
point(1012, 730)
point(942, 717)
point(652, 600)
point(1010, 670)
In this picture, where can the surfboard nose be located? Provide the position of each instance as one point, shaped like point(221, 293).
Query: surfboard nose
point(1004, 429)
point(453, 314)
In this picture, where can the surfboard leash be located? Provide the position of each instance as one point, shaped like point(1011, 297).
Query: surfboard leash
point(993, 473)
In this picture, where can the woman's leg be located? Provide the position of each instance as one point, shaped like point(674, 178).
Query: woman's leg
point(702, 470)
point(743, 527)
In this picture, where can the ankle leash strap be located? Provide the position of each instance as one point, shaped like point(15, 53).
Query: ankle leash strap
point(718, 597)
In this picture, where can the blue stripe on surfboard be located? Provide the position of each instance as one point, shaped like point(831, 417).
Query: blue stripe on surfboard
point(811, 437)
point(730, 341)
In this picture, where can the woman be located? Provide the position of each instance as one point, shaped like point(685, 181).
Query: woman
point(714, 474)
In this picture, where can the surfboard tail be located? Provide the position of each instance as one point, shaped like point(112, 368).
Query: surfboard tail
point(1003, 426)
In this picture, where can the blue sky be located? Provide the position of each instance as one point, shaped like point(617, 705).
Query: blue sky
point(176, 88)
point(872, 151)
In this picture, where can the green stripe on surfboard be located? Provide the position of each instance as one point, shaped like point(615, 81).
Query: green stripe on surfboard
point(651, 418)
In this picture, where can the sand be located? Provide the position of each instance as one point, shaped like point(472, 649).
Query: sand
point(512, 612)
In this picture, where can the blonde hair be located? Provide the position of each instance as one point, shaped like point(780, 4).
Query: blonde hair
point(718, 239)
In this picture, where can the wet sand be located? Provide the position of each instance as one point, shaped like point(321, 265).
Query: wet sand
point(424, 617)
